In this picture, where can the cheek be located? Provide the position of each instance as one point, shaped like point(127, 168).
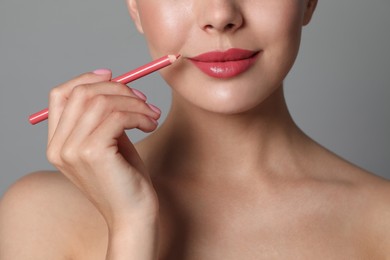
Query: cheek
point(167, 32)
point(280, 34)
point(287, 25)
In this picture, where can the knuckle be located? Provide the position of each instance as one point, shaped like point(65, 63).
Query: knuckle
point(118, 116)
point(68, 155)
point(53, 156)
point(89, 154)
point(86, 153)
point(82, 154)
point(80, 91)
point(55, 93)
point(99, 101)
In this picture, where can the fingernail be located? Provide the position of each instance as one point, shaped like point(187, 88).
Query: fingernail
point(139, 94)
point(155, 109)
point(101, 71)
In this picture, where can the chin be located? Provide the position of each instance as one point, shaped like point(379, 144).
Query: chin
point(228, 105)
point(229, 97)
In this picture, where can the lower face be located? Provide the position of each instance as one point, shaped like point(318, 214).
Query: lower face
point(269, 33)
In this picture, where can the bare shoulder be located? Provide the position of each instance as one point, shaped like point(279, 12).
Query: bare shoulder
point(43, 216)
point(368, 206)
point(375, 216)
point(369, 187)
point(361, 198)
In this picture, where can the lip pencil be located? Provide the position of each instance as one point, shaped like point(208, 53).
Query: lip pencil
point(124, 79)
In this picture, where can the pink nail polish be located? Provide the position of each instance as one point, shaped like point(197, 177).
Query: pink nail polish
point(155, 109)
point(138, 94)
point(101, 71)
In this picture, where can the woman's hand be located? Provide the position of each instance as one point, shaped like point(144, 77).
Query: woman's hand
point(87, 143)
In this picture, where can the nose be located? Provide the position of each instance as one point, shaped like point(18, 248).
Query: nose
point(219, 15)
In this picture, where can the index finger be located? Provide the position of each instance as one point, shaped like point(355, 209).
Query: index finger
point(60, 94)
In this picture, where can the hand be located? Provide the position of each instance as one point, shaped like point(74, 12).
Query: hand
point(87, 143)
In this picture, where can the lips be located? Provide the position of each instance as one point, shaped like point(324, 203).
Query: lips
point(225, 64)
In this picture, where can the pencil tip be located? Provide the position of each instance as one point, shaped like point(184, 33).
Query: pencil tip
point(173, 58)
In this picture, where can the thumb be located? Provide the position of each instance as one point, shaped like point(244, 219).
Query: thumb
point(105, 74)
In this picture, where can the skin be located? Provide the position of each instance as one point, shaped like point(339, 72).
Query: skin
point(228, 175)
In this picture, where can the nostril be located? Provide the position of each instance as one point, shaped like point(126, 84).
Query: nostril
point(208, 27)
point(229, 26)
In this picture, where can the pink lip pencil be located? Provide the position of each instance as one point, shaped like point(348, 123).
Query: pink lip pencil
point(124, 79)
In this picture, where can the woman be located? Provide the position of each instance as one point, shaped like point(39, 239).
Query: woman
point(228, 175)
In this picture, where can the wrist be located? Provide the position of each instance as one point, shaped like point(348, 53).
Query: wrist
point(133, 223)
point(146, 214)
point(133, 239)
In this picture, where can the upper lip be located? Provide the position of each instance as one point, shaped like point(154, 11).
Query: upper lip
point(233, 54)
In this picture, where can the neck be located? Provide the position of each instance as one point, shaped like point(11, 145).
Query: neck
point(208, 143)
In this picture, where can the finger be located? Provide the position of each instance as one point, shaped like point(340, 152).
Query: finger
point(100, 107)
point(60, 95)
point(116, 123)
point(76, 106)
point(80, 96)
point(107, 141)
point(78, 100)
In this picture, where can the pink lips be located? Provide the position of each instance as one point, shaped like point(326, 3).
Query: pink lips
point(225, 64)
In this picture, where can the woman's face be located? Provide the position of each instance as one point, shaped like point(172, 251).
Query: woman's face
point(235, 52)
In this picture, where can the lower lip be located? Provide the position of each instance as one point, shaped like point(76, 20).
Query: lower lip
point(226, 69)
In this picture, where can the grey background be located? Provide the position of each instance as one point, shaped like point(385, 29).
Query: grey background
point(338, 91)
